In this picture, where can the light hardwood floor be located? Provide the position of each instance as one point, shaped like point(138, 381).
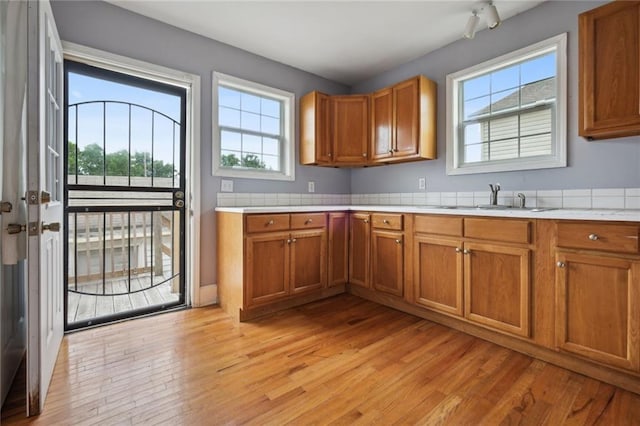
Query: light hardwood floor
point(342, 361)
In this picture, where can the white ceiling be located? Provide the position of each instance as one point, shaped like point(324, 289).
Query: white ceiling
point(346, 41)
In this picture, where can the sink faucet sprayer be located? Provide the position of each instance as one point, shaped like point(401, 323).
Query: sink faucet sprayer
point(493, 198)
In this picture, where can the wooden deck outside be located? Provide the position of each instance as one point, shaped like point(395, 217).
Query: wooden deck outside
point(338, 361)
point(83, 307)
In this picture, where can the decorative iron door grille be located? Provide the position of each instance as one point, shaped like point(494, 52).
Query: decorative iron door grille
point(124, 195)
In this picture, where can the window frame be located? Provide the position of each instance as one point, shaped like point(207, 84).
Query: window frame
point(558, 158)
point(288, 129)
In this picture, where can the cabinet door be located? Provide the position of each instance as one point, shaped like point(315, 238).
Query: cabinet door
point(598, 308)
point(497, 285)
point(406, 110)
point(308, 260)
point(387, 262)
point(609, 70)
point(438, 273)
point(267, 267)
point(359, 249)
point(338, 248)
point(382, 124)
point(315, 130)
point(350, 129)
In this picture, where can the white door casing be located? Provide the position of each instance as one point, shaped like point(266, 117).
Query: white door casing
point(45, 323)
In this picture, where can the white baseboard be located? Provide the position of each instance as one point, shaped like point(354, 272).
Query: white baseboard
point(208, 295)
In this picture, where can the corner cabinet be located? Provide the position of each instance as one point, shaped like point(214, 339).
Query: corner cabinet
point(394, 124)
point(334, 130)
point(268, 262)
point(403, 122)
point(609, 71)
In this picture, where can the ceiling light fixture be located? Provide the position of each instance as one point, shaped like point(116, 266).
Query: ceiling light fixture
point(491, 16)
point(472, 25)
point(493, 19)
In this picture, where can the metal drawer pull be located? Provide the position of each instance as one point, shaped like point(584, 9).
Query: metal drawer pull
point(308, 221)
point(271, 222)
point(594, 237)
point(560, 264)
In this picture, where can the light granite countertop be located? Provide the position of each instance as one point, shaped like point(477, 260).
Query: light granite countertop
point(621, 215)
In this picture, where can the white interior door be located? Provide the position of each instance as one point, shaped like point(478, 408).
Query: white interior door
point(45, 205)
point(13, 70)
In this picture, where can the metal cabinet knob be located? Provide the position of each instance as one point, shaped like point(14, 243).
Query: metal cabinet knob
point(594, 237)
point(366, 220)
point(398, 241)
point(465, 251)
point(308, 221)
point(364, 154)
point(560, 264)
point(271, 222)
point(385, 221)
point(458, 250)
point(293, 240)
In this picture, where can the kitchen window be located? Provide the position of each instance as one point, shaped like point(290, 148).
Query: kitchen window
point(509, 113)
point(252, 130)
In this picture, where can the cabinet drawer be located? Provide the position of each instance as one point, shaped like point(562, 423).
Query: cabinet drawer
point(267, 222)
point(308, 220)
point(599, 236)
point(387, 221)
point(507, 230)
point(441, 225)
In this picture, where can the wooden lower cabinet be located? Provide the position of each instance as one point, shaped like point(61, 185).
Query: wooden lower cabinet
point(338, 260)
point(598, 308)
point(267, 267)
point(308, 260)
point(387, 262)
point(438, 273)
point(497, 286)
point(359, 249)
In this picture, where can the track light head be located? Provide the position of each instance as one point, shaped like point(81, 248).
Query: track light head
point(472, 25)
point(491, 13)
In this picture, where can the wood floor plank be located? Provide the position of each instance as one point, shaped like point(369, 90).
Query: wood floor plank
point(338, 361)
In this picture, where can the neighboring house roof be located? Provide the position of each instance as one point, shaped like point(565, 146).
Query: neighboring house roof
point(536, 91)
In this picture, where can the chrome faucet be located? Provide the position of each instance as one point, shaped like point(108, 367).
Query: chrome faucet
point(522, 200)
point(493, 198)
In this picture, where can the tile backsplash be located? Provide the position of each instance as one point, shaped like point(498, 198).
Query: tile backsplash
point(611, 198)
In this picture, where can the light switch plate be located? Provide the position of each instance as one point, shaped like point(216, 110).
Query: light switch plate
point(226, 185)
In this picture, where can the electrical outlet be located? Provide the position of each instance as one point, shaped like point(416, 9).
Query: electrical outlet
point(226, 185)
point(422, 183)
point(312, 186)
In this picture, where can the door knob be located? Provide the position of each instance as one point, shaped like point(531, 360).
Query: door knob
point(53, 227)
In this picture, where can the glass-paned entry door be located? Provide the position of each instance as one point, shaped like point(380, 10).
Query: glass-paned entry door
point(124, 195)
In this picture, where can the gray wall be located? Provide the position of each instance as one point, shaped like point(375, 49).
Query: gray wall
point(612, 163)
point(103, 26)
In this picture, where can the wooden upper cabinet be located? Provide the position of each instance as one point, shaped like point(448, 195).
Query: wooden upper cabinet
point(350, 129)
point(403, 121)
point(382, 124)
point(609, 71)
point(394, 124)
point(315, 129)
